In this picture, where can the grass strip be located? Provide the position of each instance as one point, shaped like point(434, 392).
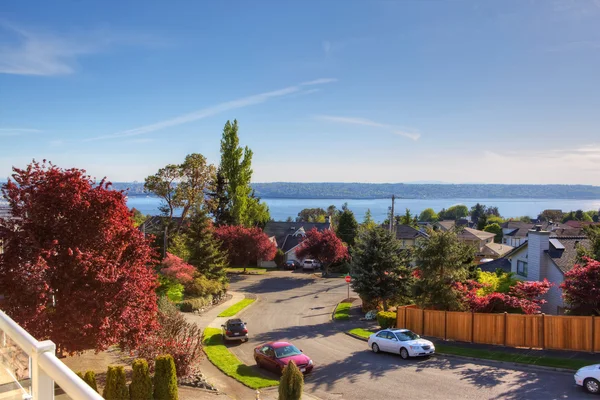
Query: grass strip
point(529, 359)
point(249, 270)
point(223, 359)
point(342, 311)
point(236, 308)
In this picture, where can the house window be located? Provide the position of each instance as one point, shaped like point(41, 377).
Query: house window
point(521, 268)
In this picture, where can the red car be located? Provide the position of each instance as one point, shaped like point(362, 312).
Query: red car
point(276, 355)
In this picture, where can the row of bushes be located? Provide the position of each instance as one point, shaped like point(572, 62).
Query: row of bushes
point(191, 305)
point(142, 387)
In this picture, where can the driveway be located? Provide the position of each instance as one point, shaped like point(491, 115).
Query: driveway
point(296, 307)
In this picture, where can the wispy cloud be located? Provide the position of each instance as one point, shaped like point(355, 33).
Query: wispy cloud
point(367, 122)
point(25, 51)
point(217, 109)
point(17, 131)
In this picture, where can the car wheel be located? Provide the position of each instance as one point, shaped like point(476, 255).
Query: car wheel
point(591, 385)
point(375, 348)
point(258, 364)
point(245, 340)
point(404, 353)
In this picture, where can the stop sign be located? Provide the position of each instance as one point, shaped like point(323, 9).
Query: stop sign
point(348, 278)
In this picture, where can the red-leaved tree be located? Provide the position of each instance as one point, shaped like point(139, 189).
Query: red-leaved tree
point(244, 245)
point(177, 269)
point(581, 288)
point(325, 246)
point(75, 270)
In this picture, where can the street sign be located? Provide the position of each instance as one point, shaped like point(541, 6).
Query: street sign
point(348, 278)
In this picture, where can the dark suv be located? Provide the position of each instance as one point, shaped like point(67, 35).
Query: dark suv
point(235, 329)
point(291, 264)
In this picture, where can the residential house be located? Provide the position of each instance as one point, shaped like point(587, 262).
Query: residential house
point(5, 213)
point(514, 233)
point(547, 255)
point(449, 224)
point(408, 236)
point(288, 235)
point(483, 243)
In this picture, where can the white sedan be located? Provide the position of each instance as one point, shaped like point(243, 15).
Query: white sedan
point(400, 341)
point(589, 378)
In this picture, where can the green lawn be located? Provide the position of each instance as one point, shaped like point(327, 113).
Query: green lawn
point(363, 333)
point(341, 311)
point(223, 359)
point(236, 308)
point(249, 270)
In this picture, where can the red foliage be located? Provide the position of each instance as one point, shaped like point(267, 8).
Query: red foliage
point(244, 245)
point(177, 269)
point(75, 270)
point(581, 288)
point(325, 246)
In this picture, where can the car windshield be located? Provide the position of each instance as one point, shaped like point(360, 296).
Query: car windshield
point(407, 335)
point(287, 351)
point(308, 262)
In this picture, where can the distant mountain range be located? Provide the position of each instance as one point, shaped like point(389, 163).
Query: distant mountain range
point(340, 190)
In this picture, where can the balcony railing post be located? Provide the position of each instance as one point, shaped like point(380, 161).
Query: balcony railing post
point(42, 384)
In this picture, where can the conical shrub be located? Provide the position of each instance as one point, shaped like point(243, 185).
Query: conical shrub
point(291, 383)
point(79, 374)
point(141, 383)
point(90, 379)
point(116, 385)
point(165, 378)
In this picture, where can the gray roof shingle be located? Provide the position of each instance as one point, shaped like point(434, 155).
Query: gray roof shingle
point(566, 257)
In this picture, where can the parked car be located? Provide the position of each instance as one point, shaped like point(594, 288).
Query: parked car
point(400, 341)
point(291, 264)
point(310, 264)
point(235, 329)
point(589, 378)
point(276, 355)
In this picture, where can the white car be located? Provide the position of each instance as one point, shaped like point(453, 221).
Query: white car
point(310, 264)
point(589, 378)
point(400, 341)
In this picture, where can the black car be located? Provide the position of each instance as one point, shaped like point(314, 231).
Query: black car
point(291, 264)
point(235, 329)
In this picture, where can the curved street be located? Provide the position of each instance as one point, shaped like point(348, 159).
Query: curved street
point(296, 307)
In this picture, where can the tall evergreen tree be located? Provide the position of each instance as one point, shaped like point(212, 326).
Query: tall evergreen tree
point(347, 227)
point(380, 269)
point(204, 249)
point(368, 222)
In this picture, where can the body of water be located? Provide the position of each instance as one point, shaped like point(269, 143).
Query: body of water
point(282, 208)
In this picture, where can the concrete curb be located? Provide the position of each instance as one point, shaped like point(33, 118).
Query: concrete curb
point(505, 363)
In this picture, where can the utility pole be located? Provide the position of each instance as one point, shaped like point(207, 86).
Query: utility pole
point(392, 214)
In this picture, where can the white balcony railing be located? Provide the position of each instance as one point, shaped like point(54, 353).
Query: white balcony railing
point(44, 367)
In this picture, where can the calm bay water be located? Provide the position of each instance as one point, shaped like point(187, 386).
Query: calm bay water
point(282, 208)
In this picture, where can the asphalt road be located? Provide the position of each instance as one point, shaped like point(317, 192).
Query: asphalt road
point(296, 307)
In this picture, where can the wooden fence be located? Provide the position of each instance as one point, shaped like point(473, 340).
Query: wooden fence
point(515, 330)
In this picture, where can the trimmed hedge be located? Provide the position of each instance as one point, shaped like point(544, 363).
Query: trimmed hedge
point(291, 383)
point(141, 383)
point(116, 385)
point(90, 379)
point(386, 319)
point(165, 378)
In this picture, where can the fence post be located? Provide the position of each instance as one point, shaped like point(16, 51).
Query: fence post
point(42, 385)
point(445, 325)
point(593, 332)
point(505, 325)
point(543, 330)
point(405, 312)
point(472, 326)
point(423, 322)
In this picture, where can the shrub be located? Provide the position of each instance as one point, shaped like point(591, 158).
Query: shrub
point(203, 287)
point(177, 337)
point(386, 319)
point(279, 258)
point(90, 379)
point(198, 303)
point(177, 269)
point(79, 374)
point(165, 379)
point(141, 383)
point(116, 386)
point(170, 288)
point(291, 383)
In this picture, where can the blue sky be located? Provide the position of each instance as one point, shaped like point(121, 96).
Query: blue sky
point(454, 91)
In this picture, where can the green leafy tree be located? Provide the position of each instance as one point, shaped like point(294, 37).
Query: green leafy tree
point(205, 250)
point(141, 382)
point(218, 201)
point(477, 211)
point(165, 378)
point(494, 219)
point(408, 219)
point(495, 282)
point(381, 271)
point(495, 229)
point(347, 227)
point(179, 246)
point(291, 383)
point(236, 167)
point(116, 384)
point(428, 215)
point(312, 215)
point(138, 217)
point(593, 252)
point(455, 212)
point(525, 219)
point(442, 261)
point(368, 222)
point(551, 215)
point(482, 222)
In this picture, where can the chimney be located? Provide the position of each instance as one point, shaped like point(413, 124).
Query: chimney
point(538, 245)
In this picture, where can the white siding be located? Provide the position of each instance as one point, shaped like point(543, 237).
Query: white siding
point(554, 295)
point(522, 256)
point(539, 242)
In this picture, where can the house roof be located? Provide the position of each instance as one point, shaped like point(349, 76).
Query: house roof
point(283, 232)
point(563, 251)
point(521, 229)
point(447, 224)
point(5, 211)
point(408, 232)
point(470, 233)
point(580, 224)
point(496, 249)
point(499, 263)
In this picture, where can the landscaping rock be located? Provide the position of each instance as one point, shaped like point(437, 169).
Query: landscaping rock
point(197, 380)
